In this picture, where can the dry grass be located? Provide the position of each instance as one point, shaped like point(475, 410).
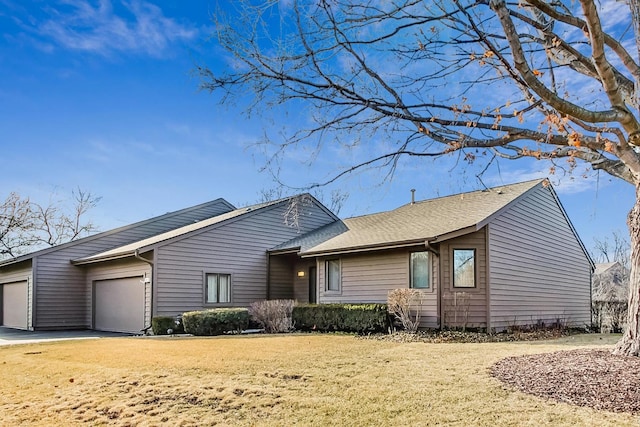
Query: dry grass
point(276, 380)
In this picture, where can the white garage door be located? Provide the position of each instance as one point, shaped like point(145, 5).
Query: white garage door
point(14, 305)
point(119, 305)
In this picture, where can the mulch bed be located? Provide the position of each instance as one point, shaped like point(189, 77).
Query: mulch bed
point(438, 337)
point(593, 378)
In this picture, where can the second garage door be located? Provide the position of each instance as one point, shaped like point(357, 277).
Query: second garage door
point(119, 305)
point(14, 305)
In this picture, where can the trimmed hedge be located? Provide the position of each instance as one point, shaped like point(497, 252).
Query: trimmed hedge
point(216, 321)
point(161, 324)
point(360, 318)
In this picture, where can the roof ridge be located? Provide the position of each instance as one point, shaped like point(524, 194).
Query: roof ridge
point(485, 190)
point(531, 181)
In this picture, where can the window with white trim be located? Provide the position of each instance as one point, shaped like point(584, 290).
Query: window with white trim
point(217, 288)
point(419, 270)
point(333, 275)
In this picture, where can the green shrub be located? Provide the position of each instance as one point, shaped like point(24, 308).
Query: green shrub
point(216, 321)
point(162, 324)
point(360, 318)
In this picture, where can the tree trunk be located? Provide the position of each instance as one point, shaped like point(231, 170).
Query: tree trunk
point(629, 344)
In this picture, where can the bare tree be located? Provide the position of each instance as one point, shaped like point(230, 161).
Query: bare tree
point(553, 80)
point(16, 225)
point(334, 202)
point(26, 225)
point(613, 248)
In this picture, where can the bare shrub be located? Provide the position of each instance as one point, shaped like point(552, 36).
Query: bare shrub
point(273, 315)
point(458, 304)
point(399, 302)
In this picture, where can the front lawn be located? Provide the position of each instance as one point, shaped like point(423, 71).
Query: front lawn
point(306, 379)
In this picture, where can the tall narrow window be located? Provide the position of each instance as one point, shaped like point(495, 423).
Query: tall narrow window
point(333, 275)
point(464, 268)
point(419, 270)
point(218, 288)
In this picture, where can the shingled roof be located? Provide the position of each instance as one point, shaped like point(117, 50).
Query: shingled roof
point(430, 220)
point(148, 243)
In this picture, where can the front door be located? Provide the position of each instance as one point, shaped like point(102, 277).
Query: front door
point(313, 293)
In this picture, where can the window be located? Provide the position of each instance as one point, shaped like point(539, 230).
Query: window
point(333, 275)
point(419, 270)
point(218, 288)
point(464, 268)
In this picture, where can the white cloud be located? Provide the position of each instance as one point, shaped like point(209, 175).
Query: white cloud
point(81, 26)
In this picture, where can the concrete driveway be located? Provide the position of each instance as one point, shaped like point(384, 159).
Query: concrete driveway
point(10, 336)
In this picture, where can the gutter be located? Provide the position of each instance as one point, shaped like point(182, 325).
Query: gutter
point(136, 254)
point(106, 258)
point(391, 245)
point(361, 249)
point(428, 247)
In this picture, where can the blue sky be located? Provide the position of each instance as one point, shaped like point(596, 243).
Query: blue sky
point(100, 95)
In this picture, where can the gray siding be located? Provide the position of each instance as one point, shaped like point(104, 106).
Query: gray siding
point(281, 269)
point(62, 300)
point(19, 273)
point(464, 306)
point(301, 284)
point(538, 270)
point(370, 277)
point(119, 269)
point(237, 247)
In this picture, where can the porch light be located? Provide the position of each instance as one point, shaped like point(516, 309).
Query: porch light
point(300, 273)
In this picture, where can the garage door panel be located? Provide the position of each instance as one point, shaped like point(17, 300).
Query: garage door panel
point(15, 305)
point(119, 305)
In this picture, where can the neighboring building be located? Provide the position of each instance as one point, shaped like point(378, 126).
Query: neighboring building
point(610, 282)
point(609, 294)
point(488, 259)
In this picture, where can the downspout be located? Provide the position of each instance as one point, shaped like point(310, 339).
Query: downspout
point(136, 254)
point(268, 275)
point(428, 247)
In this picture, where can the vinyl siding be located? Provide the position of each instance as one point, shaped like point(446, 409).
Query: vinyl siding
point(370, 277)
point(238, 247)
point(538, 270)
point(281, 270)
point(301, 284)
point(62, 299)
point(464, 306)
point(119, 269)
point(19, 273)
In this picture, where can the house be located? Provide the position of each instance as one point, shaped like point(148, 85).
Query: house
point(43, 290)
point(490, 259)
point(207, 256)
point(487, 259)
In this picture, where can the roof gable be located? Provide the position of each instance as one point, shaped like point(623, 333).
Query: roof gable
point(189, 230)
point(220, 202)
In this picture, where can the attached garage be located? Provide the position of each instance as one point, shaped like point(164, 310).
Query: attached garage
point(119, 305)
point(14, 304)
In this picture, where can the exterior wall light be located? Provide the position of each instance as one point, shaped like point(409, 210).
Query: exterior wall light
point(300, 273)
